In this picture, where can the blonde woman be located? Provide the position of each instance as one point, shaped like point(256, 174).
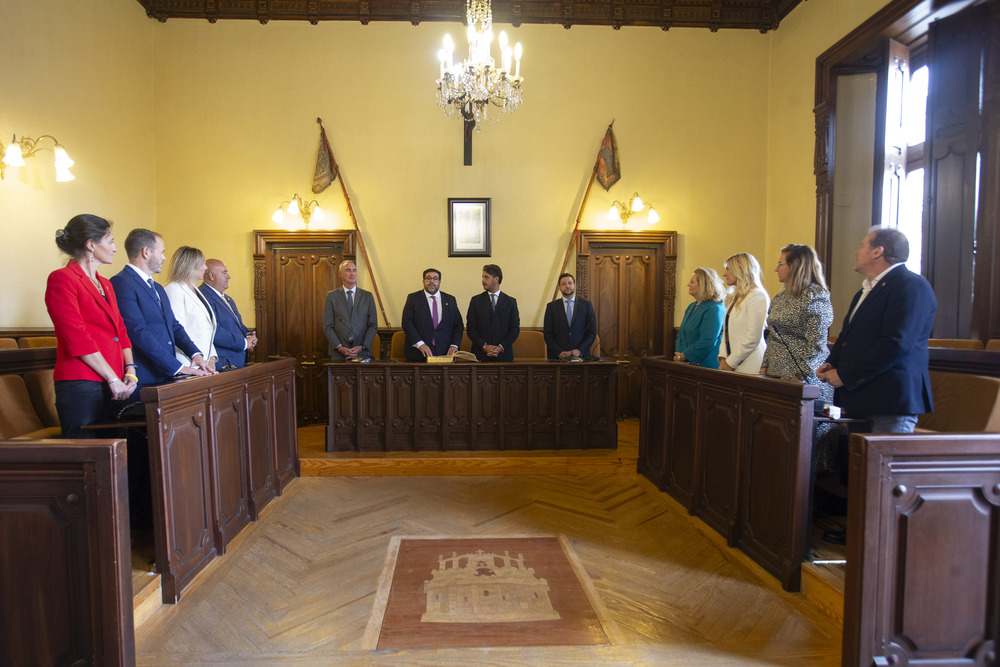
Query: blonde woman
point(742, 346)
point(190, 307)
point(701, 329)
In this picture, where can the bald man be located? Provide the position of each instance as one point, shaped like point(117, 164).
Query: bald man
point(232, 338)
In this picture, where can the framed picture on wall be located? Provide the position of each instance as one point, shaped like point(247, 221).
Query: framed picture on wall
point(468, 227)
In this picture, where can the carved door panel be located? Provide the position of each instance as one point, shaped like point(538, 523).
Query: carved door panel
point(629, 277)
point(293, 273)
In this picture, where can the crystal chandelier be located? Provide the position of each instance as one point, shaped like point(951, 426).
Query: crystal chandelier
point(472, 86)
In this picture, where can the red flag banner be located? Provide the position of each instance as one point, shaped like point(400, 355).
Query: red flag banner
point(326, 166)
point(608, 168)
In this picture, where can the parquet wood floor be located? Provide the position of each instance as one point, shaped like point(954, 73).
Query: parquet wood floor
point(297, 587)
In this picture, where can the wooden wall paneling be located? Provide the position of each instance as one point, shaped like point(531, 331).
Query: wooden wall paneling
point(343, 419)
point(182, 489)
point(261, 438)
point(772, 524)
point(570, 409)
point(717, 456)
point(923, 576)
point(652, 426)
point(286, 446)
point(65, 579)
point(681, 448)
point(600, 399)
point(484, 419)
point(229, 448)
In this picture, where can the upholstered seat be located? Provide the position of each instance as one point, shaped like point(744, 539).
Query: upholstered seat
point(42, 391)
point(8, 344)
point(963, 402)
point(17, 414)
point(36, 341)
point(397, 350)
point(530, 345)
point(956, 343)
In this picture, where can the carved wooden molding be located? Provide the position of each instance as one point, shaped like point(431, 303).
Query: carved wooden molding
point(762, 15)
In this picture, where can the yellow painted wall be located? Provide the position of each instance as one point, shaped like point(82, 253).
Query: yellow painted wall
point(200, 130)
point(810, 29)
point(80, 71)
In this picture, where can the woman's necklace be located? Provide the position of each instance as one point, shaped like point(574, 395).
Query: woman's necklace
point(97, 283)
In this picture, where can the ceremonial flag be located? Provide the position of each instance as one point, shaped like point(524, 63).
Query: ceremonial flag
point(608, 168)
point(326, 166)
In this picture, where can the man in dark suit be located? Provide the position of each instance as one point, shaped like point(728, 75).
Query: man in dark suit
point(879, 361)
point(149, 320)
point(492, 321)
point(349, 318)
point(569, 326)
point(232, 338)
point(431, 320)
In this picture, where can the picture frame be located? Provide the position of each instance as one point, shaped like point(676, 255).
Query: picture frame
point(469, 232)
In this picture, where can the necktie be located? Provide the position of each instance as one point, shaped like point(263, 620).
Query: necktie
point(434, 318)
point(350, 301)
point(493, 300)
point(153, 287)
point(569, 311)
point(228, 300)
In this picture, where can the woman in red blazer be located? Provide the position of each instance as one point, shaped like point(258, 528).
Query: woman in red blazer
point(93, 352)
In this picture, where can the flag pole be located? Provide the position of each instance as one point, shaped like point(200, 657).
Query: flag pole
point(361, 241)
point(576, 228)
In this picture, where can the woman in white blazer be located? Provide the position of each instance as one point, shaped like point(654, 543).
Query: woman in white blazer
point(195, 314)
point(742, 347)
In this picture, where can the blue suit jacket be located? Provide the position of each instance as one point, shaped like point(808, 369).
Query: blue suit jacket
point(881, 354)
point(231, 334)
point(152, 328)
point(485, 326)
point(563, 336)
point(417, 325)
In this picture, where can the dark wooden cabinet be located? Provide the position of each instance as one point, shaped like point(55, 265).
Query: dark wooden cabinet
point(65, 577)
point(380, 407)
point(736, 451)
point(923, 550)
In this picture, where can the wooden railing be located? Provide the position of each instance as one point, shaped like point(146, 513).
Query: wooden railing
point(221, 448)
point(380, 407)
point(735, 450)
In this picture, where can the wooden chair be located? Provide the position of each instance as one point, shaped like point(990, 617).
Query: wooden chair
point(397, 346)
point(8, 344)
point(26, 342)
point(530, 345)
point(377, 348)
point(595, 349)
point(466, 342)
point(956, 343)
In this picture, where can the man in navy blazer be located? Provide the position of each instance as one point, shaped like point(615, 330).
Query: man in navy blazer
point(569, 327)
point(149, 320)
point(424, 338)
point(492, 321)
point(232, 338)
point(879, 361)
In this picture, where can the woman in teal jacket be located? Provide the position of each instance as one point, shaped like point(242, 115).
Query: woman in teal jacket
point(701, 329)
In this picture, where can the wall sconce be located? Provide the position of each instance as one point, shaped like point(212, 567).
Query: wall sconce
point(623, 212)
point(298, 209)
point(17, 150)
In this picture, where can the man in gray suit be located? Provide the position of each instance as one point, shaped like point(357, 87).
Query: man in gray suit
point(349, 319)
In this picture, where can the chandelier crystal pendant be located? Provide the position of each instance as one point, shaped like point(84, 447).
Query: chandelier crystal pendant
point(473, 86)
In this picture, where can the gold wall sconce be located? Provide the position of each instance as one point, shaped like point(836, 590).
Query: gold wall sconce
point(298, 209)
point(17, 150)
point(623, 212)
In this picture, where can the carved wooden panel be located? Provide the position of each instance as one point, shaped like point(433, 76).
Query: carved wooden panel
point(229, 464)
point(65, 581)
point(180, 458)
point(261, 436)
point(718, 463)
point(736, 450)
point(194, 426)
point(923, 534)
point(461, 407)
point(762, 15)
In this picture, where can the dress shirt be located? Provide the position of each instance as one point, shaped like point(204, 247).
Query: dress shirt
point(866, 287)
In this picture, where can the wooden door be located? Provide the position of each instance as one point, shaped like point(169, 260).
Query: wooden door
point(293, 271)
point(629, 277)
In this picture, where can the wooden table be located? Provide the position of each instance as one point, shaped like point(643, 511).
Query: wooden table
point(522, 405)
